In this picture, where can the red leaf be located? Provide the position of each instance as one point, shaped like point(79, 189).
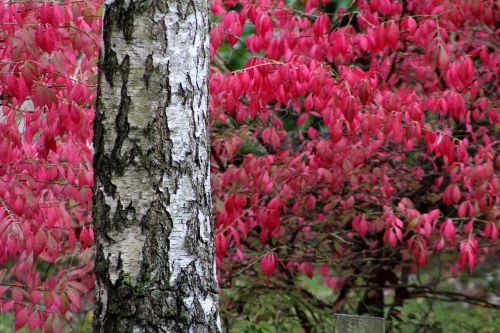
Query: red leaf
point(308, 269)
point(236, 236)
point(39, 242)
point(494, 233)
point(21, 318)
point(48, 299)
point(7, 306)
point(448, 230)
point(268, 264)
point(362, 226)
point(35, 296)
point(17, 87)
point(45, 38)
point(34, 321)
point(243, 228)
point(85, 238)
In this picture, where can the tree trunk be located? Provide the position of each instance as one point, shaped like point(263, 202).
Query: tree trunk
point(155, 263)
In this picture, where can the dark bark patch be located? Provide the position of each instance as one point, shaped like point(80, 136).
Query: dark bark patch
point(148, 70)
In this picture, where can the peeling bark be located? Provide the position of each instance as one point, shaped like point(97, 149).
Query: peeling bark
point(155, 259)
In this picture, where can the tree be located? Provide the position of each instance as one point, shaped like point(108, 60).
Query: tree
point(47, 84)
point(155, 259)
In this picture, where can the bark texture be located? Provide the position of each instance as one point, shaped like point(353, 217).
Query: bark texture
point(358, 324)
point(155, 262)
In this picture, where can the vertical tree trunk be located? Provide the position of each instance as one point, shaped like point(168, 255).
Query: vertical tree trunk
point(155, 266)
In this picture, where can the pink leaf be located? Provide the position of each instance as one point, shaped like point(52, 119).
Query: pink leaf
point(21, 318)
point(362, 226)
point(34, 321)
point(449, 230)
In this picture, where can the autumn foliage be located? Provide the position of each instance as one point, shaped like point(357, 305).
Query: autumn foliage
point(350, 136)
point(47, 83)
point(354, 142)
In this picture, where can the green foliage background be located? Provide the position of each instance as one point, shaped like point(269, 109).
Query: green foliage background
point(273, 311)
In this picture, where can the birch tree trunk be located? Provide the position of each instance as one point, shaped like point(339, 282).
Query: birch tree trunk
point(155, 262)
